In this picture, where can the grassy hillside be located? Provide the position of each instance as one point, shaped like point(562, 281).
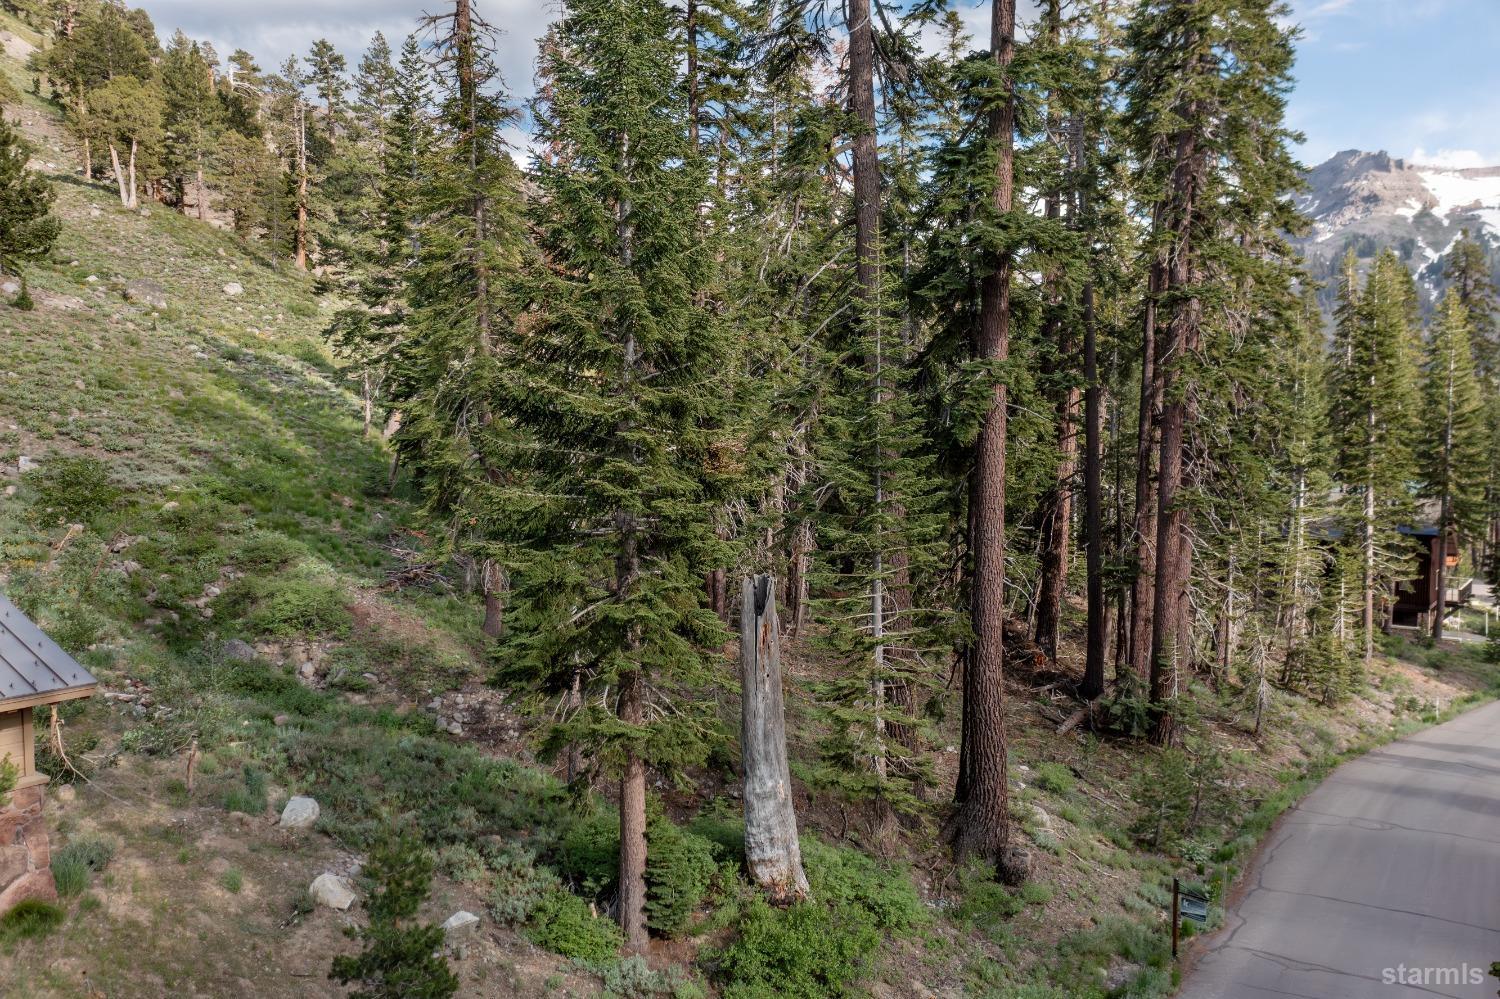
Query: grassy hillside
point(196, 478)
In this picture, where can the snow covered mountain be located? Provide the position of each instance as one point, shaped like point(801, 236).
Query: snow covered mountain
point(1371, 201)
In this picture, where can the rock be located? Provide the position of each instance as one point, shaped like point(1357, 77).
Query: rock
point(234, 288)
point(95, 212)
point(92, 279)
point(1015, 866)
point(10, 490)
point(331, 890)
point(461, 923)
point(10, 286)
point(25, 463)
point(64, 794)
point(239, 651)
point(146, 292)
point(170, 505)
point(1041, 819)
point(307, 670)
point(300, 812)
point(281, 720)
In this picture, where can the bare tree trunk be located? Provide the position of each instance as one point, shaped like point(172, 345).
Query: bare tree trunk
point(773, 855)
point(632, 899)
point(202, 193)
point(981, 823)
point(88, 160)
point(114, 159)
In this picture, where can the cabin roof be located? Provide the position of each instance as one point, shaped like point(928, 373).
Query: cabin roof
point(33, 668)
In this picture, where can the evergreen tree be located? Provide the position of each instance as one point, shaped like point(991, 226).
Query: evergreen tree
point(1373, 413)
point(125, 117)
point(616, 385)
point(1455, 444)
point(190, 118)
point(27, 226)
point(402, 957)
point(325, 72)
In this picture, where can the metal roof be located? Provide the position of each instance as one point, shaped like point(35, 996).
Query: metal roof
point(32, 665)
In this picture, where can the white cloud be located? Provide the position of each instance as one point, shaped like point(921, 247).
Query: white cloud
point(1452, 159)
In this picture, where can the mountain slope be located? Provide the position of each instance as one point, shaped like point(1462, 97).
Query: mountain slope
point(1373, 201)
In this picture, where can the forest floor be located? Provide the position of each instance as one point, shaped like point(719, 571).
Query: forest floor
point(197, 473)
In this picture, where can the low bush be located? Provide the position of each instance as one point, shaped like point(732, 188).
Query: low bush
point(72, 489)
point(267, 551)
point(632, 978)
point(807, 951)
point(78, 861)
point(29, 919)
point(299, 607)
point(848, 879)
point(563, 923)
point(1055, 777)
point(520, 884)
point(460, 862)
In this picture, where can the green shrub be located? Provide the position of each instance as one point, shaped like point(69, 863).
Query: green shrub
point(680, 866)
point(76, 862)
point(29, 919)
point(460, 862)
point(632, 978)
point(232, 880)
point(1055, 777)
point(73, 488)
point(402, 957)
point(848, 879)
point(807, 951)
point(563, 923)
point(519, 885)
point(70, 874)
point(248, 794)
point(267, 551)
point(290, 608)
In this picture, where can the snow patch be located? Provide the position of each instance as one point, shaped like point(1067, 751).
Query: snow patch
point(1455, 191)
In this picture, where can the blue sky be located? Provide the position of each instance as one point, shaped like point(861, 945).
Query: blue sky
point(1417, 78)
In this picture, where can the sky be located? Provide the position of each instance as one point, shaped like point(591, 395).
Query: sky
point(1419, 79)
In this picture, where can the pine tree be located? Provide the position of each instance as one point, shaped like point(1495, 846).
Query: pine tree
point(190, 117)
point(1455, 442)
point(616, 383)
point(1373, 412)
point(125, 117)
point(402, 957)
point(1205, 85)
point(325, 72)
point(27, 226)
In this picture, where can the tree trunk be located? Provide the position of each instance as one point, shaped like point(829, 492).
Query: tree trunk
point(773, 855)
point(1143, 589)
point(1174, 553)
point(1093, 529)
point(1057, 507)
point(301, 247)
point(201, 195)
point(981, 823)
point(632, 901)
point(493, 582)
point(114, 159)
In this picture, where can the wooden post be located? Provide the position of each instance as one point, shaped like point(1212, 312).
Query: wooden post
point(1176, 921)
point(772, 853)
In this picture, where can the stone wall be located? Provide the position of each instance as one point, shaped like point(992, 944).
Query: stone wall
point(25, 858)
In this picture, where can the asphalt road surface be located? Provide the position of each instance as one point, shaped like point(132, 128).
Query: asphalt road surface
point(1383, 882)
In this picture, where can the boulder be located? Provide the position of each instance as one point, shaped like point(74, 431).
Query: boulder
point(300, 812)
point(460, 924)
point(10, 286)
point(146, 292)
point(25, 463)
point(333, 891)
point(239, 651)
point(234, 288)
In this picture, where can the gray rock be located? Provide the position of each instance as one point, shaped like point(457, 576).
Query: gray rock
point(461, 923)
point(239, 650)
point(300, 812)
point(10, 286)
point(333, 891)
point(234, 288)
point(26, 463)
point(146, 292)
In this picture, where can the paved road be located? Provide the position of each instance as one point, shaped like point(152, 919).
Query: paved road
point(1388, 873)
